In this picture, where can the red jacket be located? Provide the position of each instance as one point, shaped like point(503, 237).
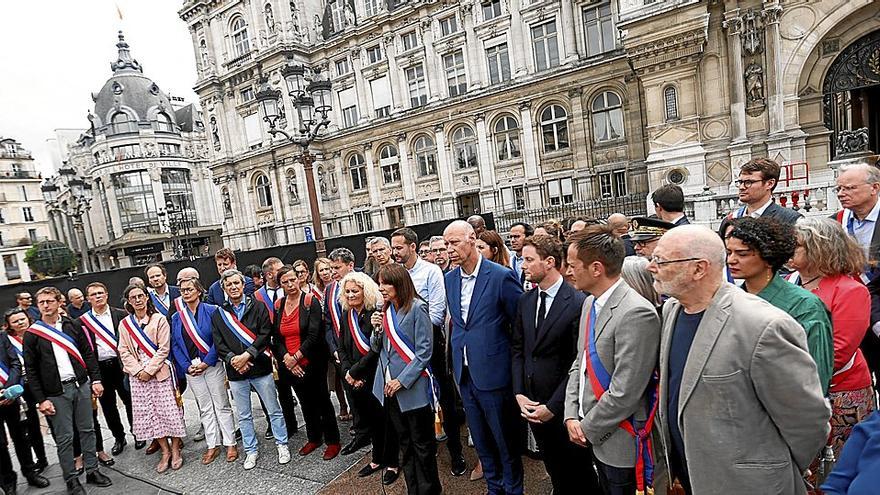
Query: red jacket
point(849, 302)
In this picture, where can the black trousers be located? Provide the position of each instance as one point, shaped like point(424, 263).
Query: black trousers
point(570, 466)
point(615, 480)
point(415, 429)
point(32, 426)
point(386, 448)
point(453, 416)
point(11, 416)
point(314, 398)
point(99, 436)
point(113, 380)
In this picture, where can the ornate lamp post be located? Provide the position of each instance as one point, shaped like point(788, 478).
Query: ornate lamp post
point(77, 206)
point(178, 220)
point(311, 98)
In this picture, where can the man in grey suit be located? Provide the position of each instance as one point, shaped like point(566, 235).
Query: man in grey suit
point(741, 409)
point(621, 330)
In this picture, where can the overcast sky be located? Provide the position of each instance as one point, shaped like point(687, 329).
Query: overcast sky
point(56, 53)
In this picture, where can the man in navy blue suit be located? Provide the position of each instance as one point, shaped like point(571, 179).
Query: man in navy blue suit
point(483, 298)
point(225, 260)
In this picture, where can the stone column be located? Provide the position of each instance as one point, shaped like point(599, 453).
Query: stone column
point(432, 62)
point(398, 92)
point(364, 110)
point(280, 205)
point(247, 214)
point(486, 166)
point(406, 173)
point(444, 171)
point(775, 100)
point(517, 41)
point(569, 41)
point(341, 181)
point(530, 156)
point(733, 24)
point(475, 73)
point(374, 175)
point(578, 136)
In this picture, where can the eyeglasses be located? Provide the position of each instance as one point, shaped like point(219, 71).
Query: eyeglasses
point(135, 297)
point(660, 262)
point(746, 182)
point(435, 251)
point(849, 188)
point(645, 242)
point(187, 290)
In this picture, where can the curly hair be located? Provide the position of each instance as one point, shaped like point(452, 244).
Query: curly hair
point(774, 241)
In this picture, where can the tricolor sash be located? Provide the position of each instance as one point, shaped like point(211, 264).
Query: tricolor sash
point(59, 338)
point(361, 341)
point(794, 277)
point(94, 325)
point(187, 319)
point(157, 302)
point(600, 380)
point(262, 295)
point(316, 293)
point(17, 346)
point(847, 220)
point(243, 333)
point(335, 309)
point(4, 374)
point(406, 350)
point(140, 337)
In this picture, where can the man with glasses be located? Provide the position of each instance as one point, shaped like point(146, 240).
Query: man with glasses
point(25, 302)
point(731, 366)
point(438, 249)
point(858, 187)
point(757, 180)
point(645, 234)
point(425, 252)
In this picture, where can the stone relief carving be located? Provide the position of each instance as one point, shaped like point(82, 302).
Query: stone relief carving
point(318, 28)
point(215, 133)
point(852, 142)
point(753, 33)
point(754, 75)
point(270, 18)
point(349, 15)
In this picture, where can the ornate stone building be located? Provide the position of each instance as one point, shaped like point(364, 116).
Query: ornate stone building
point(22, 210)
point(440, 109)
point(148, 192)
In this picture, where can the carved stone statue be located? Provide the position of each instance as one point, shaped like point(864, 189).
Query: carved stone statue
point(215, 133)
point(150, 150)
point(318, 27)
point(754, 75)
point(270, 18)
point(349, 15)
point(852, 142)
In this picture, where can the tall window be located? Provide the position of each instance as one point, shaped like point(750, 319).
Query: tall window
point(349, 116)
point(448, 26)
point(499, 63)
point(418, 90)
point(513, 198)
point(599, 29)
point(163, 122)
point(456, 80)
point(120, 123)
point(342, 67)
point(263, 188)
point(607, 117)
point(554, 128)
point(426, 155)
point(177, 188)
point(612, 184)
point(337, 15)
point(363, 221)
point(491, 9)
point(560, 191)
point(135, 202)
point(371, 7)
point(544, 46)
point(670, 98)
point(507, 138)
point(431, 210)
point(27, 213)
point(240, 43)
point(125, 151)
point(464, 147)
point(396, 218)
point(357, 167)
point(390, 164)
point(374, 54)
point(409, 40)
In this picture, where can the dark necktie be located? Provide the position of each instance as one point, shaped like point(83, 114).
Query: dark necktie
point(274, 294)
point(522, 273)
point(542, 309)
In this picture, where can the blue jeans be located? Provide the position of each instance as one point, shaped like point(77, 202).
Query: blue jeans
point(241, 394)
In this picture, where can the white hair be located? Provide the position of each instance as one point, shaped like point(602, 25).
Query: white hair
point(872, 173)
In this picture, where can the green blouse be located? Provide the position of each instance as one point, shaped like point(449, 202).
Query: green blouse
point(808, 310)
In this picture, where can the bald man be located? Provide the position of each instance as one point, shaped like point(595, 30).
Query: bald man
point(78, 305)
point(482, 299)
point(478, 223)
point(185, 273)
point(619, 223)
point(731, 366)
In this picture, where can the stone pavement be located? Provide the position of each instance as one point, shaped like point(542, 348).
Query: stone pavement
point(134, 473)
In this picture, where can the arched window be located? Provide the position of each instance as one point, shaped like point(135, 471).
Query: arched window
point(121, 122)
point(240, 43)
point(554, 128)
point(163, 122)
point(670, 98)
point(507, 138)
point(227, 203)
point(607, 117)
point(426, 155)
point(357, 167)
point(390, 164)
point(264, 191)
point(464, 147)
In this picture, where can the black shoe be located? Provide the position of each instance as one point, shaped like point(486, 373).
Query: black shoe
point(355, 444)
point(269, 435)
point(40, 465)
point(107, 462)
point(118, 447)
point(368, 470)
point(458, 466)
point(75, 488)
point(37, 481)
point(238, 434)
point(389, 476)
point(139, 444)
point(78, 472)
point(97, 478)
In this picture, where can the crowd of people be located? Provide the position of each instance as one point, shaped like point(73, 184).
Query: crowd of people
point(628, 354)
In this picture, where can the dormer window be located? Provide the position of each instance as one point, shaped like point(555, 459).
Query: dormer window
point(163, 122)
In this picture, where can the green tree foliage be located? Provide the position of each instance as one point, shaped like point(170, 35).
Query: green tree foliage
point(50, 258)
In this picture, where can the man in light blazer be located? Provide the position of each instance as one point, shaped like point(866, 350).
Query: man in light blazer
point(741, 408)
point(482, 298)
point(625, 332)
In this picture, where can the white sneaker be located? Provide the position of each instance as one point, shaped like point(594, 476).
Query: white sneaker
point(283, 454)
point(250, 461)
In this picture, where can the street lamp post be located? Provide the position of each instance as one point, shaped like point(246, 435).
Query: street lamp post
point(79, 204)
point(177, 220)
point(311, 97)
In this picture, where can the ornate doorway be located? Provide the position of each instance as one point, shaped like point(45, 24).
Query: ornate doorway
point(852, 97)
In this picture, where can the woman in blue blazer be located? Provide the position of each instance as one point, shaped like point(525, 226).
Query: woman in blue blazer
point(403, 381)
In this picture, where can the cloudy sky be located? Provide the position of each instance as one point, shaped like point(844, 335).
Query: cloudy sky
point(56, 53)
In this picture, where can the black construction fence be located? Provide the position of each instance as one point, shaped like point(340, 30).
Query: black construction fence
point(600, 209)
point(116, 280)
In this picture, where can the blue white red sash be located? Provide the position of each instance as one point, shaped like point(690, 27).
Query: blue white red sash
point(17, 346)
point(94, 325)
point(361, 341)
point(262, 295)
point(130, 324)
point(794, 277)
point(189, 325)
point(406, 350)
point(157, 301)
point(4, 374)
point(335, 308)
point(316, 293)
point(59, 338)
point(600, 380)
point(243, 333)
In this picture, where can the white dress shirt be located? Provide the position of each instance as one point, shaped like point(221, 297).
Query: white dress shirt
point(551, 295)
point(104, 350)
point(468, 282)
point(599, 303)
point(62, 358)
point(276, 293)
point(428, 280)
point(760, 211)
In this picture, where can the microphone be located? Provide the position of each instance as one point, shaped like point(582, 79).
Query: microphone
point(379, 307)
point(13, 392)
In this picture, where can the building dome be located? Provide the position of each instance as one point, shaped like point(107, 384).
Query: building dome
point(129, 97)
